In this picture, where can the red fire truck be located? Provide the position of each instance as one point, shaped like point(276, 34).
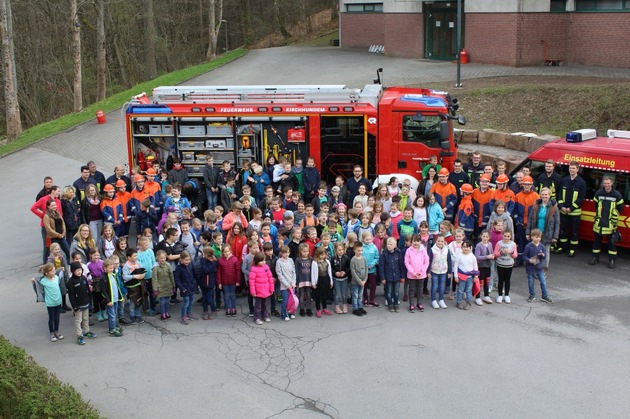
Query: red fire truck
point(388, 131)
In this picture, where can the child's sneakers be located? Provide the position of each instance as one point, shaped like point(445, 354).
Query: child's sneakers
point(357, 312)
point(189, 317)
point(531, 298)
point(318, 314)
point(184, 321)
point(80, 340)
point(267, 319)
point(327, 312)
point(115, 333)
point(478, 301)
point(499, 299)
point(487, 299)
point(206, 316)
point(338, 310)
point(435, 304)
point(460, 305)
point(90, 335)
point(506, 299)
point(259, 322)
point(546, 299)
point(286, 318)
point(302, 312)
point(309, 313)
point(420, 308)
point(53, 338)
point(412, 309)
point(442, 304)
point(59, 335)
point(396, 309)
point(344, 309)
point(391, 309)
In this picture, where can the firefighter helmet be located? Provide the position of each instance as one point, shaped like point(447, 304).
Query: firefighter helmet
point(527, 180)
point(109, 188)
point(502, 179)
point(443, 172)
point(466, 187)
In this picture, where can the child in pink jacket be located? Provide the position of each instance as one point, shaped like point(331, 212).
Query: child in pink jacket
point(260, 287)
point(417, 264)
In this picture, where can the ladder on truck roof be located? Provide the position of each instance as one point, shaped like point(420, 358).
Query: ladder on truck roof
point(244, 94)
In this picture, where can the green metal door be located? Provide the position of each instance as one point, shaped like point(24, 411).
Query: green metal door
point(441, 34)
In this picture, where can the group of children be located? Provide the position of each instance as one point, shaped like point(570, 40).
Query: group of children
point(278, 247)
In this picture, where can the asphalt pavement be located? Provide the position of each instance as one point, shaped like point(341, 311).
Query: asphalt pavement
point(562, 360)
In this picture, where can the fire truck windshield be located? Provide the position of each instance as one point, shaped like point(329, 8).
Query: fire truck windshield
point(426, 131)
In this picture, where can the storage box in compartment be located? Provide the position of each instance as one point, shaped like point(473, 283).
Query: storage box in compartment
point(192, 145)
point(192, 130)
point(194, 171)
point(155, 129)
point(216, 144)
point(219, 156)
point(219, 129)
point(167, 129)
point(188, 156)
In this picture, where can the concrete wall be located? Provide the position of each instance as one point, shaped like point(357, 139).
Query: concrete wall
point(506, 6)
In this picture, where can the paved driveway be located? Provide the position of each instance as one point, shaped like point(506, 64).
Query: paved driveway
point(563, 360)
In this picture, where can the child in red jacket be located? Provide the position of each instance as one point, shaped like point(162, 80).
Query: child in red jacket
point(261, 287)
point(228, 278)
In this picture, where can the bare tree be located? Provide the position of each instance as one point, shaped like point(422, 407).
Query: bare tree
point(12, 104)
point(76, 56)
point(101, 52)
point(215, 20)
point(279, 16)
point(149, 40)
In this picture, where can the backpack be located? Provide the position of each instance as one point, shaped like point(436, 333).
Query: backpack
point(293, 302)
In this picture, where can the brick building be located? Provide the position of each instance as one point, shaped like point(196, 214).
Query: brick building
point(504, 32)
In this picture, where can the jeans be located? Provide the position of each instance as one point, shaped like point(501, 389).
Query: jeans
point(415, 290)
point(438, 284)
point(283, 306)
point(187, 302)
point(54, 313)
point(260, 308)
point(392, 289)
point(112, 320)
point(135, 309)
point(96, 227)
point(229, 294)
point(465, 287)
point(543, 283)
point(305, 298)
point(207, 298)
point(341, 291)
point(164, 305)
point(212, 198)
point(357, 294)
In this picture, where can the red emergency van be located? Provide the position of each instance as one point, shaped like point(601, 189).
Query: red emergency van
point(598, 157)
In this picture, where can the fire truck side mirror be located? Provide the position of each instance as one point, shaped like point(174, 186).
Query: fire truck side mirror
point(445, 131)
point(461, 119)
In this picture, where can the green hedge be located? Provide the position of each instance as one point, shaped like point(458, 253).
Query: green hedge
point(28, 390)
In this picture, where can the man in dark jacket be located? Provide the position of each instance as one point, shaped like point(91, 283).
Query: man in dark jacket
point(570, 198)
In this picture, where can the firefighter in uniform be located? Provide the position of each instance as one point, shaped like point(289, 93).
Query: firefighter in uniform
point(570, 196)
point(608, 205)
point(549, 179)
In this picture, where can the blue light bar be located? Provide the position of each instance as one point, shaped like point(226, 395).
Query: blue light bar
point(148, 109)
point(429, 102)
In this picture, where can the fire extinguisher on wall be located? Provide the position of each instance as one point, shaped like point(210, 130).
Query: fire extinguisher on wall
point(141, 160)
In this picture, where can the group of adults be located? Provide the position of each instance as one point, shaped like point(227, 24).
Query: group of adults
point(550, 203)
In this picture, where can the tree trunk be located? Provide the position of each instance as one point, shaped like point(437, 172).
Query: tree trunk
point(101, 52)
point(215, 21)
point(76, 56)
point(280, 20)
point(334, 7)
point(12, 104)
point(149, 41)
point(118, 54)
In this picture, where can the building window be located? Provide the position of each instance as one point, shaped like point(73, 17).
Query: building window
point(364, 8)
point(595, 5)
point(558, 5)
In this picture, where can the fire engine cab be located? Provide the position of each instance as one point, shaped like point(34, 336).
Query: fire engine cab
point(388, 131)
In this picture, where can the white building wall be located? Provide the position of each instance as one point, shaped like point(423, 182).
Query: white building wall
point(470, 6)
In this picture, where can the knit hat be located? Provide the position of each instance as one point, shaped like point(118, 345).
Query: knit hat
point(74, 266)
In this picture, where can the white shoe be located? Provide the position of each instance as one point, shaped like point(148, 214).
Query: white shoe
point(499, 299)
point(435, 304)
point(442, 303)
point(507, 299)
point(487, 300)
point(478, 301)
